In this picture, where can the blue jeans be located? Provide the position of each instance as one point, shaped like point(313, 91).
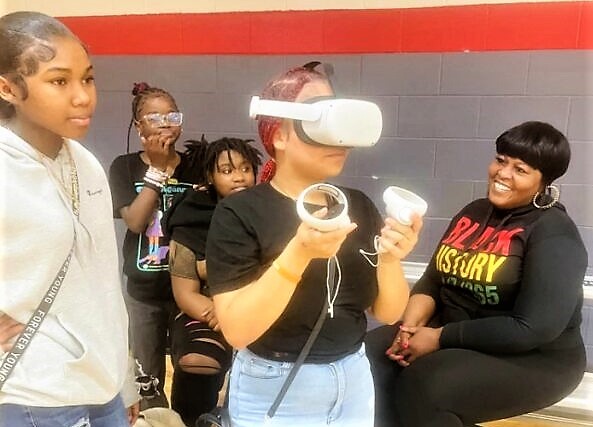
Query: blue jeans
point(149, 326)
point(112, 414)
point(340, 393)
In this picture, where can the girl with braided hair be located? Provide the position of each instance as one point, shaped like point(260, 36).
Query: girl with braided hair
point(143, 185)
point(270, 279)
point(198, 348)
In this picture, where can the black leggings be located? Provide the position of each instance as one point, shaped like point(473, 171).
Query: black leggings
point(458, 387)
point(193, 394)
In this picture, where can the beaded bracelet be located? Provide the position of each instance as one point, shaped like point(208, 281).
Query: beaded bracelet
point(156, 175)
point(153, 185)
point(155, 179)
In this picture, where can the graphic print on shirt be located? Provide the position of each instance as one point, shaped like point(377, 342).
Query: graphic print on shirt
point(153, 246)
point(471, 263)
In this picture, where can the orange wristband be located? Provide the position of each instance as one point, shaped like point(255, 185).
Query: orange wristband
point(285, 273)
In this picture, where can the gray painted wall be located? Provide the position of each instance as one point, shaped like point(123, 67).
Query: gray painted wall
point(442, 113)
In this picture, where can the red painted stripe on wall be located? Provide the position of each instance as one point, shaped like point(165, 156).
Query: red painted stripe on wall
point(523, 26)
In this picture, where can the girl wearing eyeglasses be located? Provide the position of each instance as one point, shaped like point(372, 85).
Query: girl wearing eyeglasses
point(143, 185)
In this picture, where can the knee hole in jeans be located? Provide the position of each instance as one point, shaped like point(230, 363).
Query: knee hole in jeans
point(195, 363)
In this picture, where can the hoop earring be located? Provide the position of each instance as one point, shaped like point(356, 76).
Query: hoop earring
point(550, 191)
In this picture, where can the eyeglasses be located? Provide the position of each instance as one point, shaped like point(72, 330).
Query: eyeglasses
point(174, 118)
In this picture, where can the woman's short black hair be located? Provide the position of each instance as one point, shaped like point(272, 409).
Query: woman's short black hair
point(538, 144)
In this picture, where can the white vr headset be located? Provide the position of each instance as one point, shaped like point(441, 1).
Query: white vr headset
point(327, 121)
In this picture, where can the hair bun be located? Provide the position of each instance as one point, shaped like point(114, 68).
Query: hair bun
point(311, 65)
point(140, 87)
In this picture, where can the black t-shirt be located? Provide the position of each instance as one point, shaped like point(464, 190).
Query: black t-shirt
point(251, 228)
point(188, 219)
point(146, 255)
point(508, 281)
point(187, 222)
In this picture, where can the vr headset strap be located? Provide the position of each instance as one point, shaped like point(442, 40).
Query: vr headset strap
point(298, 124)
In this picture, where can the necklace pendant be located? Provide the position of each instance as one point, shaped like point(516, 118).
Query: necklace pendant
point(330, 310)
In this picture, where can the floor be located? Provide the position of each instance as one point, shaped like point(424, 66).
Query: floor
point(523, 421)
point(534, 422)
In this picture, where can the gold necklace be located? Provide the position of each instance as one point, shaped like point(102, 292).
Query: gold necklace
point(74, 191)
point(74, 183)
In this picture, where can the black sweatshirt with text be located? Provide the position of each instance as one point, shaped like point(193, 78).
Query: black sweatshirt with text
point(508, 281)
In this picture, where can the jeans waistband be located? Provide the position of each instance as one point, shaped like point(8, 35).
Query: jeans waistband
point(277, 356)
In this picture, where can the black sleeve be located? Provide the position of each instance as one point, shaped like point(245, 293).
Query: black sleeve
point(232, 251)
point(551, 291)
point(188, 219)
point(121, 182)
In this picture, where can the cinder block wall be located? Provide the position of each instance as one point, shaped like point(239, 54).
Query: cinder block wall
point(449, 75)
point(442, 112)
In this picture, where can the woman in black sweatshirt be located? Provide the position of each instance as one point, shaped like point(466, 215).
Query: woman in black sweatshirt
point(492, 329)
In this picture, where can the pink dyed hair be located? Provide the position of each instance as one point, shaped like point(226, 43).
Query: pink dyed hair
point(285, 87)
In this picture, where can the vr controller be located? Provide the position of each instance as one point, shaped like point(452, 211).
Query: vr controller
point(400, 204)
point(337, 208)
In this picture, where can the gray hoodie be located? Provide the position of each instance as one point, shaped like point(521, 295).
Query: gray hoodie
point(80, 353)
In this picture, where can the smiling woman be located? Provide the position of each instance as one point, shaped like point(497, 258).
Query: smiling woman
point(501, 299)
point(522, 170)
point(512, 182)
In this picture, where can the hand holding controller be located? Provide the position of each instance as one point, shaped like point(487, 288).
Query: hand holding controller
point(400, 204)
point(337, 208)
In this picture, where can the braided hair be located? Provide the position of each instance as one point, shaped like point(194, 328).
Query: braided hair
point(142, 92)
point(285, 87)
point(203, 156)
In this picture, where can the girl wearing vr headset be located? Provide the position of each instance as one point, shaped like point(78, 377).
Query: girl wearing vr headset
point(198, 348)
point(267, 271)
point(143, 185)
point(57, 241)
